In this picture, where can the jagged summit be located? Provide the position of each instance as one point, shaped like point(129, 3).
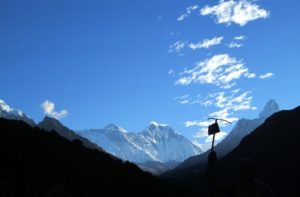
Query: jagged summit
point(157, 130)
point(270, 108)
point(48, 119)
point(241, 129)
point(157, 142)
point(6, 108)
point(115, 128)
point(9, 113)
point(52, 124)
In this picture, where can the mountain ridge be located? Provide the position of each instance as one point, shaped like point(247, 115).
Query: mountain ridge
point(242, 128)
point(52, 124)
point(50, 165)
point(154, 143)
point(14, 114)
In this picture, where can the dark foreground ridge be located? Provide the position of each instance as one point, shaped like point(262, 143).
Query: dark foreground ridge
point(275, 149)
point(35, 162)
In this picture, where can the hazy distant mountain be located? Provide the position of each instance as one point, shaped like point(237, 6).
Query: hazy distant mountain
point(50, 124)
point(242, 128)
point(9, 113)
point(157, 142)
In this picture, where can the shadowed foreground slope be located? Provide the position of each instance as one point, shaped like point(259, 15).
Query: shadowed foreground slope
point(35, 162)
point(275, 148)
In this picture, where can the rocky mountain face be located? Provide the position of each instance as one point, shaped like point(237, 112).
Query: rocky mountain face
point(157, 142)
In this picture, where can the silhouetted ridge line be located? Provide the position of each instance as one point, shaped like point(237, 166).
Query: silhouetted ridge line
point(273, 146)
point(36, 162)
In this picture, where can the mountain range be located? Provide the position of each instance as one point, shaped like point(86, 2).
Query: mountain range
point(157, 142)
point(36, 162)
point(39, 162)
point(156, 149)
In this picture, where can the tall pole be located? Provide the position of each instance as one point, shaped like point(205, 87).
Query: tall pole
point(213, 141)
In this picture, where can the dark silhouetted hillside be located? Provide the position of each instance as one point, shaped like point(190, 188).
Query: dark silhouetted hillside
point(50, 124)
point(274, 146)
point(39, 163)
point(242, 128)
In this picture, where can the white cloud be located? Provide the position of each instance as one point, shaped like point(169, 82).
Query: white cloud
point(232, 102)
point(251, 75)
point(227, 103)
point(185, 99)
point(171, 72)
point(235, 45)
point(177, 46)
point(223, 114)
point(203, 123)
point(240, 12)
point(239, 37)
point(219, 136)
point(206, 43)
point(188, 12)
point(236, 42)
point(49, 109)
point(221, 70)
point(203, 132)
point(227, 106)
point(267, 75)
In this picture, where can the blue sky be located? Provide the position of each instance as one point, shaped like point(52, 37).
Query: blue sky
point(132, 62)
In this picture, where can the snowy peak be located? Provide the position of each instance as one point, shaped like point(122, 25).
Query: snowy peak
point(158, 131)
point(9, 113)
point(270, 108)
point(114, 127)
point(157, 142)
point(155, 125)
point(6, 108)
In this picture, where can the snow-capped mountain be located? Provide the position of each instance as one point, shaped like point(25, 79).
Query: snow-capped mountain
point(157, 142)
point(241, 129)
point(50, 124)
point(164, 144)
point(114, 140)
point(9, 113)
